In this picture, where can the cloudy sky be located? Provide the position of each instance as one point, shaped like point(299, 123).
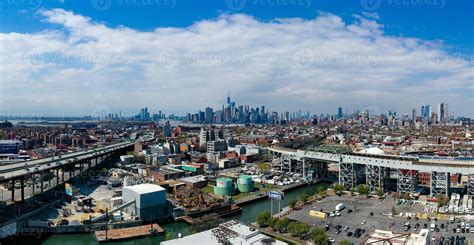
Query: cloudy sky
point(69, 58)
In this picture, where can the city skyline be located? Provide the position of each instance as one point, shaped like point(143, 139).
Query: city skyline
point(64, 59)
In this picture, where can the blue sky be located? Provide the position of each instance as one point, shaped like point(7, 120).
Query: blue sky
point(440, 28)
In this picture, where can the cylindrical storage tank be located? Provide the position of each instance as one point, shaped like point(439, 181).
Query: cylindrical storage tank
point(224, 187)
point(245, 183)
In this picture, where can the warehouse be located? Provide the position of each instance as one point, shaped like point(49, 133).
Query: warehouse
point(150, 201)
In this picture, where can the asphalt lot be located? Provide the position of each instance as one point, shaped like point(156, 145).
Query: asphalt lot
point(361, 210)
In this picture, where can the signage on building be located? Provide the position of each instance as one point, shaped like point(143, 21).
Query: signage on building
point(276, 195)
point(68, 188)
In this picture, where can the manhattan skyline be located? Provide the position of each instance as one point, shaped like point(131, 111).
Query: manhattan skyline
point(67, 59)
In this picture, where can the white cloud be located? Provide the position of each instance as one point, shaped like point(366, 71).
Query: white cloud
point(286, 64)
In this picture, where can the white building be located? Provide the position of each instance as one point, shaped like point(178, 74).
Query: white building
point(232, 232)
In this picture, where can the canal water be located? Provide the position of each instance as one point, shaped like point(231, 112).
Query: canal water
point(249, 214)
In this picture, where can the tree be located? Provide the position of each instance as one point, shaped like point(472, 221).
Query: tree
point(292, 203)
point(352, 191)
point(344, 242)
point(272, 221)
point(321, 191)
point(262, 219)
point(319, 236)
point(281, 225)
point(338, 188)
point(296, 228)
point(379, 192)
point(363, 190)
point(442, 200)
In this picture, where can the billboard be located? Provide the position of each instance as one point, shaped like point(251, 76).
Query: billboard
point(276, 195)
point(68, 188)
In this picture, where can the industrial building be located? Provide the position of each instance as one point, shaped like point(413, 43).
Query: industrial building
point(150, 201)
point(9, 146)
point(198, 181)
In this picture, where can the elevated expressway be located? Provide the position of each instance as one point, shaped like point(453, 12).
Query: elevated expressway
point(68, 162)
point(378, 168)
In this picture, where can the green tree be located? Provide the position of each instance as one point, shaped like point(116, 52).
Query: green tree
point(169, 236)
point(292, 203)
point(379, 192)
point(282, 224)
point(262, 218)
point(442, 200)
point(344, 242)
point(352, 191)
point(363, 190)
point(319, 236)
point(297, 229)
point(272, 221)
point(338, 188)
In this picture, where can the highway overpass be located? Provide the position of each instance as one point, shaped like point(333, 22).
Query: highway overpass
point(377, 168)
point(68, 162)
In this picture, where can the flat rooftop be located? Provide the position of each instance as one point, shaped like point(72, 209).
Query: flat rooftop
point(144, 188)
point(232, 231)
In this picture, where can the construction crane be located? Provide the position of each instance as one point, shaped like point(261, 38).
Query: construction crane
point(443, 151)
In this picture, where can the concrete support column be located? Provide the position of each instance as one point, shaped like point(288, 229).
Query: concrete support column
point(33, 186)
point(57, 176)
point(22, 183)
point(13, 190)
point(41, 181)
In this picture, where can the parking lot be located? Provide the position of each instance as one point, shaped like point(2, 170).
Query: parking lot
point(370, 214)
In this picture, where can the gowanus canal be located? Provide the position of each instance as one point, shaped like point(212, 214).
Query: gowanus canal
point(248, 215)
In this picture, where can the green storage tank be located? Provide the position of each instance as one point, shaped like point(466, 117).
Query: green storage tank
point(224, 187)
point(245, 183)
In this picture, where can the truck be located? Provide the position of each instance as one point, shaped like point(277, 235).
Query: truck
point(406, 226)
point(340, 207)
point(433, 227)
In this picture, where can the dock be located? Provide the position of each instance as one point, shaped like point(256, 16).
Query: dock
point(127, 233)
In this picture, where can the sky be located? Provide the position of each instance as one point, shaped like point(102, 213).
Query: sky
point(93, 57)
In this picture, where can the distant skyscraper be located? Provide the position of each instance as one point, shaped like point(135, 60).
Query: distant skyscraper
point(413, 115)
point(167, 129)
point(209, 114)
point(339, 113)
point(443, 112)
